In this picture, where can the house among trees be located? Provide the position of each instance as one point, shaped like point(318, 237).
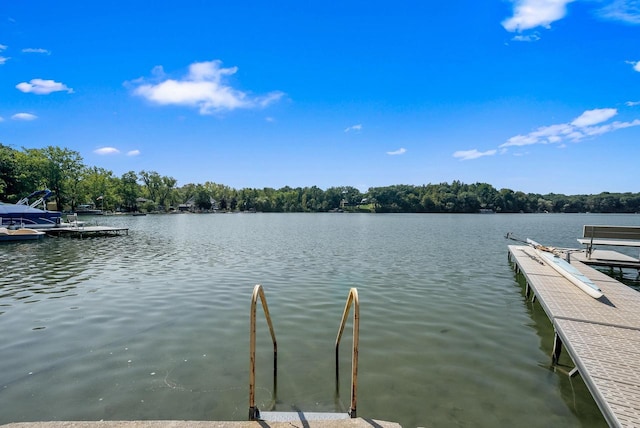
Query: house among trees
point(198, 203)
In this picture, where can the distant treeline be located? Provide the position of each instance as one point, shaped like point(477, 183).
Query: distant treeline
point(74, 184)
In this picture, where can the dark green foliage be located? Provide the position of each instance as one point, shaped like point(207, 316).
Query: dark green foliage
point(62, 171)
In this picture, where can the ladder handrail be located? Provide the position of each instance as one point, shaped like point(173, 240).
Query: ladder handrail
point(353, 298)
point(254, 413)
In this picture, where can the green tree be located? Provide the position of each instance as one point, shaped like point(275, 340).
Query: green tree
point(202, 198)
point(62, 174)
point(31, 168)
point(98, 186)
point(129, 190)
point(152, 182)
point(9, 185)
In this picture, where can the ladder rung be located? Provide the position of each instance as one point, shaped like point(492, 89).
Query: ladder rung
point(301, 416)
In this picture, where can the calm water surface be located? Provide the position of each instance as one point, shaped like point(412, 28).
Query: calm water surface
point(155, 325)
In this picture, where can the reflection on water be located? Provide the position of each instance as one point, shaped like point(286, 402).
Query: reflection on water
point(154, 325)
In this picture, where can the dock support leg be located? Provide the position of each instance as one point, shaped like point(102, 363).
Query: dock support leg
point(528, 291)
point(254, 413)
point(557, 349)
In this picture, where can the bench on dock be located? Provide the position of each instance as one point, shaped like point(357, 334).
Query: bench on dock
point(622, 236)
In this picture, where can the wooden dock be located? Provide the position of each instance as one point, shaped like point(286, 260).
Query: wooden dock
point(84, 231)
point(602, 336)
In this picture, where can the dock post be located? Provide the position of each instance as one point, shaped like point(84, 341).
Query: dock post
point(557, 349)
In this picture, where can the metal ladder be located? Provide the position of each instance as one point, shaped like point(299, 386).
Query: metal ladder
point(254, 412)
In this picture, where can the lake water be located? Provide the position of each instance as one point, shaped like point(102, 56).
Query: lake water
point(155, 324)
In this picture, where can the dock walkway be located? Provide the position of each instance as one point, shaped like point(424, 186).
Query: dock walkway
point(607, 258)
point(340, 423)
point(602, 336)
point(82, 231)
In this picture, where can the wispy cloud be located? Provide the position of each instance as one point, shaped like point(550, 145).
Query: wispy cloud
point(1, 119)
point(400, 151)
point(528, 38)
point(632, 103)
point(24, 116)
point(203, 87)
point(528, 14)
point(106, 151)
point(43, 87)
point(594, 117)
point(588, 124)
point(472, 154)
point(622, 10)
point(133, 152)
point(36, 50)
point(355, 128)
point(3, 59)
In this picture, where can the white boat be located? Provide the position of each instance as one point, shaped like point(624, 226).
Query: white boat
point(22, 234)
point(565, 269)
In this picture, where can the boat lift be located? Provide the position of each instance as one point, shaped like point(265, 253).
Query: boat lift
point(43, 196)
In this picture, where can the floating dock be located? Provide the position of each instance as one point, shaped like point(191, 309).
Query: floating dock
point(340, 423)
point(608, 258)
point(84, 231)
point(602, 336)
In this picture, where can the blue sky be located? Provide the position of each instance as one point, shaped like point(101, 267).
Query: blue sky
point(533, 95)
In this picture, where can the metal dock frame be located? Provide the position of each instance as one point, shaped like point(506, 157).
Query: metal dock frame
point(600, 335)
point(254, 412)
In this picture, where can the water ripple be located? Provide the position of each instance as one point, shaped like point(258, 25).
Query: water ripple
point(154, 324)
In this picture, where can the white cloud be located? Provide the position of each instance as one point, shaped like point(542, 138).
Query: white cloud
point(133, 152)
point(24, 116)
point(400, 151)
point(106, 151)
point(527, 38)
point(36, 50)
point(4, 59)
point(1, 119)
point(529, 14)
point(593, 117)
point(622, 10)
point(43, 87)
point(356, 128)
point(588, 124)
point(203, 87)
point(472, 154)
point(635, 65)
point(632, 103)
point(3, 47)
